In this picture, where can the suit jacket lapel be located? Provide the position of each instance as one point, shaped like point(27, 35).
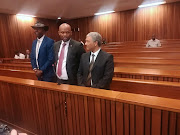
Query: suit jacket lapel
point(86, 66)
point(69, 49)
point(42, 44)
point(56, 53)
point(57, 50)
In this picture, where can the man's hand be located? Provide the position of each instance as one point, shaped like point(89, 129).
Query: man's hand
point(38, 73)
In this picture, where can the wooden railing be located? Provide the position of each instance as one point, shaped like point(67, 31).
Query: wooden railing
point(50, 109)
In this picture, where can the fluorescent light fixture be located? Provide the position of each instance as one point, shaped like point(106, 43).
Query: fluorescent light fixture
point(59, 17)
point(101, 13)
point(152, 4)
point(24, 15)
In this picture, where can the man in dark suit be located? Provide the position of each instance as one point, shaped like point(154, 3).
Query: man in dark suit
point(96, 67)
point(42, 55)
point(67, 56)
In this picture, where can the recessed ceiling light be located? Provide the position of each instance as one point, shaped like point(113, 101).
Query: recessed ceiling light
point(101, 13)
point(25, 15)
point(152, 4)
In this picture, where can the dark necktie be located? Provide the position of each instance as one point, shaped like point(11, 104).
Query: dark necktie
point(90, 69)
point(61, 57)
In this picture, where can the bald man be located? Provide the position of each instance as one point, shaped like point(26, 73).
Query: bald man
point(67, 56)
point(153, 42)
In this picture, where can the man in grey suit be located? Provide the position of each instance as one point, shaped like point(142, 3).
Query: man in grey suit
point(96, 67)
point(67, 56)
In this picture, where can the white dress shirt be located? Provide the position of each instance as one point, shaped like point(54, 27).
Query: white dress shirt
point(16, 56)
point(21, 56)
point(64, 75)
point(153, 43)
point(95, 55)
point(38, 45)
point(27, 56)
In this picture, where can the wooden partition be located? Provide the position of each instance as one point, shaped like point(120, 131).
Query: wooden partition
point(49, 109)
point(161, 88)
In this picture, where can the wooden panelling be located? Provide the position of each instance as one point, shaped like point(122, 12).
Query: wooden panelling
point(17, 34)
point(45, 108)
point(133, 25)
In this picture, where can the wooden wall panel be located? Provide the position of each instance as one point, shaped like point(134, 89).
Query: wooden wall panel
point(17, 34)
point(133, 25)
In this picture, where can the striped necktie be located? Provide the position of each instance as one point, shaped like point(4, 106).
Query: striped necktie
point(90, 69)
point(61, 57)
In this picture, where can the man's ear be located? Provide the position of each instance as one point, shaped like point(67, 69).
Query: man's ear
point(96, 43)
point(58, 33)
point(71, 33)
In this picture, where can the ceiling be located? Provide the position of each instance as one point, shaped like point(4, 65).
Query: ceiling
point(68, 9)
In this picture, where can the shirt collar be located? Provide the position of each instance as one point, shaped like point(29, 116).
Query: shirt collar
point(154, 40)
point(41, 39)
point(97, 52)
point(67, 42)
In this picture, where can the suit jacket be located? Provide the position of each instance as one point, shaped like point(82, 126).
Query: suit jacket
point(75, 50)
point(102, 71)
point(45, 58)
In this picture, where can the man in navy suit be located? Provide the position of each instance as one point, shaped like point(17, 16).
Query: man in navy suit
point(67, 56)
point(96, 67)
point(42, 55)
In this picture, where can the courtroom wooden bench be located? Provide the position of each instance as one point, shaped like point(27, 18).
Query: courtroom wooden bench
point(147, 87)
point(26, 63)
point(149, 66)
point(146, 58)
point(15, 66)
point(139, 49)
point(11, 60)
point(147, 74)
point(172, 54)
point(148, 63)
point(49, 109)
point(25, 74)
point(140, 44)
